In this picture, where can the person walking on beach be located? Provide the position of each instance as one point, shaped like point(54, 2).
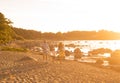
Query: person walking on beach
point(61, 52)
point(46, 50)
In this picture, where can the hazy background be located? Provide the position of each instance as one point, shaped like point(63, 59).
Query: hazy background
point(63, 15)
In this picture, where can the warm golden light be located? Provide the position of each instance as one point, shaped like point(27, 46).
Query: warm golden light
point(63, 15)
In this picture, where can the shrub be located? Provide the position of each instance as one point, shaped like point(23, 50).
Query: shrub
point(13, 49)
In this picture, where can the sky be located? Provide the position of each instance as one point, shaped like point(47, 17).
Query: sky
point(63, 15)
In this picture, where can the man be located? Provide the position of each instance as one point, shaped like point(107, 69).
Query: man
point(46, 50)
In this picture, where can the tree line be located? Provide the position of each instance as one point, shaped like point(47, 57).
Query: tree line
point(9, 33)
point(73, 35)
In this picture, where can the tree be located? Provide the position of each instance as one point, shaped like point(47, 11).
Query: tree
point(59, 36)
point(6, 32)
point(4, 20)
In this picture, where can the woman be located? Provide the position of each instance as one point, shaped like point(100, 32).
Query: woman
point(61, 52)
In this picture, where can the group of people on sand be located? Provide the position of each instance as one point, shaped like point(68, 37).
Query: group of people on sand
point(59, 54)
point(49, 51)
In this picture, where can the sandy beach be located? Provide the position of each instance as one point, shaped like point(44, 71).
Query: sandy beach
point(17, 67)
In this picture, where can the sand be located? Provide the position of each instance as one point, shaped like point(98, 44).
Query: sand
point(16, 67)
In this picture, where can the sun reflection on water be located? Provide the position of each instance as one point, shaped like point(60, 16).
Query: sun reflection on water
point(87, 45)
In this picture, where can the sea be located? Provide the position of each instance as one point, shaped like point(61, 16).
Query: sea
point(88, 45)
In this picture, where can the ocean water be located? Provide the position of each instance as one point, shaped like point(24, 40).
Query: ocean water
point(87, 45)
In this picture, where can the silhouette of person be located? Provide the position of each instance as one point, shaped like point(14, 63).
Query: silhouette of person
point(61, 51)
point(46, 50)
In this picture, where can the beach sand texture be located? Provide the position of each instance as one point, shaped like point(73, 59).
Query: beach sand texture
point(16, 67)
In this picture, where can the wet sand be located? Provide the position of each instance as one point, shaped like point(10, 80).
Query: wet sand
point(30, 68)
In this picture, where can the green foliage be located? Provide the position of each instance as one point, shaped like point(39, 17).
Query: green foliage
point(82, 35)
point(4, 20)
point(28, 34)
point(6, 32)
point(5, 29)
point(73, 35)
point(48, 35)
point(13, 49)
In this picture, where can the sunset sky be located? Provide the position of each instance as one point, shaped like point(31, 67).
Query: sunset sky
point(63, 15)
